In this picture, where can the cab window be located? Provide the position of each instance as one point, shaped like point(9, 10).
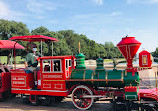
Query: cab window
point(56, 65)
point(66, 64)
point(70, 63)
point(46, 65)
point(74, 62)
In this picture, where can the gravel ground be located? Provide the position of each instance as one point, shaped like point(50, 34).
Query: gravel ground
point(15, 104)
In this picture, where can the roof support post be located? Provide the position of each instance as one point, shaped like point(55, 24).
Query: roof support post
point(15, 55)
point(156, 76)
point(11, 57)
point(52, 48)
point(41, 48)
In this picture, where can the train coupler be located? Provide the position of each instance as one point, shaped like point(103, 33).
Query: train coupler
point(32, 98)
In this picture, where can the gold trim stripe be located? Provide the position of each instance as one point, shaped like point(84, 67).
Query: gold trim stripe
point(98, 74)
point(125, 72)
point(95, 80)
point(54, 80)
point(101, 69)
point(106, 77)
point(92, 77)
point(80, 69)
point(122, 76)
point(94, 72)
point(84, 75)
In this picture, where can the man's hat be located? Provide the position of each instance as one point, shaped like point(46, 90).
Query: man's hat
point(33, 45)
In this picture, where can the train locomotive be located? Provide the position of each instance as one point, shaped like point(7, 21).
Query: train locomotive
point(59, 77)
point(124, 83)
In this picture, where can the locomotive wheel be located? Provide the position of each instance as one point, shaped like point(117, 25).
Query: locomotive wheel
point(78, 100)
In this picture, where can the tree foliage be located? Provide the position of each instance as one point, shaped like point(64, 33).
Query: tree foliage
point(12, 28)
point(67, 44)
point(155, 53)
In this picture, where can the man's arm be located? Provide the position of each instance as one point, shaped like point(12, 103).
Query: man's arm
point(38, 54)
point(26, 65)
point(26, 61)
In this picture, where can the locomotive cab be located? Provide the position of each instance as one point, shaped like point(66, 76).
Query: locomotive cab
point(54, 71)
point(51, 78)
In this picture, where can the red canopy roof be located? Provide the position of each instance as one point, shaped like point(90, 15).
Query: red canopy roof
point(8, 44)
point(33, 38)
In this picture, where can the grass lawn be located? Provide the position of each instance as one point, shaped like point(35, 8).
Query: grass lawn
point(3, 59)
point(107, 60)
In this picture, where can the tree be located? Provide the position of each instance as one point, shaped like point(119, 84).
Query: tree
point(72, 40)
point(102, 52)
point(67, 44)
point(155, 53)
point(9, 29)
point(109, 46)
point(112, 51)
point(60, 47)
point(12, 28)
point(40, 31)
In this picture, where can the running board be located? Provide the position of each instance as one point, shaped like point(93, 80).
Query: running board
point(149, 93)
point(94, 96)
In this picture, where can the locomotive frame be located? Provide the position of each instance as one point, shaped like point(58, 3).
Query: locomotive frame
point(58, 77)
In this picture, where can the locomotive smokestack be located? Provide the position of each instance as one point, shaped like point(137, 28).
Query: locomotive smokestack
point(129, 47)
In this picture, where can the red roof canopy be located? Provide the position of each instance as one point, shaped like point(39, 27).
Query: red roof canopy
point(8, 44)
point(33, 38)
point(55, 57)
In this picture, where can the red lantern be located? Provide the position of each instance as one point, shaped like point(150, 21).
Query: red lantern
point(145, 59)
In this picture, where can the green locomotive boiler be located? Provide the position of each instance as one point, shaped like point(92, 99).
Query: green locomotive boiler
point(101, 77)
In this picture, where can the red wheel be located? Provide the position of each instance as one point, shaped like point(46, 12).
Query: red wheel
point(78, 100)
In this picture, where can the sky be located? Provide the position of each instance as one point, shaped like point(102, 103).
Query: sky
point(99, 20)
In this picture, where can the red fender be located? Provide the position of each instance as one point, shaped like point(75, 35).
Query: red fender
point(70, 90)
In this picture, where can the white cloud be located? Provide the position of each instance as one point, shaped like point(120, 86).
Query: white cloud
point(40, 6)
point(148, 38)
point(95, 25)
point(4, 10)
point(7, 13)
point(154, 1)
point(99, 2)
point(142, 1)
point(94, 19)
